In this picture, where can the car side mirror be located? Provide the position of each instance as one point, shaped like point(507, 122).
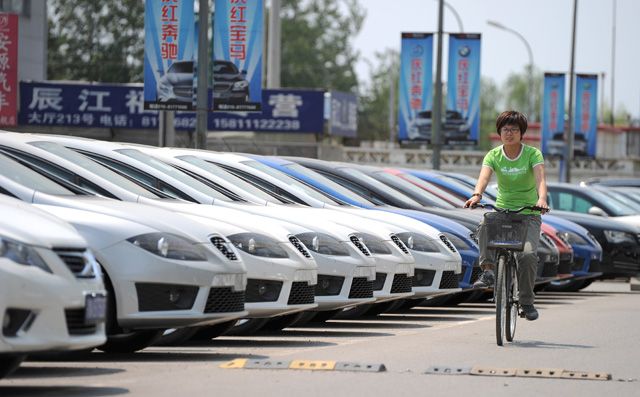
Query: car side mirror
point(597, 211)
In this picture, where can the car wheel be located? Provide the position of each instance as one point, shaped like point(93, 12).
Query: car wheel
point(176, 336)
point(279, 323)
point(209, 332)
point(8, 364)
point(247, 326)
point(130, 342)
point(565, 286)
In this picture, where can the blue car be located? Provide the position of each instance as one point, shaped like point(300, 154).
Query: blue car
point(458, 234)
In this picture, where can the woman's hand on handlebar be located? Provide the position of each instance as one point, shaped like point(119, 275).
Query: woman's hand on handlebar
point(472, 202)
point(542, 203)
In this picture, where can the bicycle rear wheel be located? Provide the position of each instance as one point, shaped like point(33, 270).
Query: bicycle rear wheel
point(500, 292)
point(512, 300)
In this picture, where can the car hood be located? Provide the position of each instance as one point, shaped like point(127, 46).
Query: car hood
point(633, 220)
point(27, 224)
point(597, 222)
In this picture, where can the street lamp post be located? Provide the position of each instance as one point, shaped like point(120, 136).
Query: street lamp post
point(530, 67)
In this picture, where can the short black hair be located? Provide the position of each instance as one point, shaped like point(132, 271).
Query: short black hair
point(512, 117)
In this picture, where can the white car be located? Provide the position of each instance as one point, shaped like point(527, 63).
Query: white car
point(165, 270)
point(51, 292)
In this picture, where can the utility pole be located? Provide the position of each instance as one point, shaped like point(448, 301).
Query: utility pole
point(202, 108)
point(437, 96)
point(613, 64)
point(568, 153)
point(392, 105)
point(273, 46)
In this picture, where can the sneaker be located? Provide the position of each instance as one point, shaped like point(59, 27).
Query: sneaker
point(486, 280)
point(530, 312)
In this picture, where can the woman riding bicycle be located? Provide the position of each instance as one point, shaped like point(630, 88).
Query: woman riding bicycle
point(521, 182)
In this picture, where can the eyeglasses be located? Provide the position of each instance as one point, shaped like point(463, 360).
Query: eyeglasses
point(507, 130)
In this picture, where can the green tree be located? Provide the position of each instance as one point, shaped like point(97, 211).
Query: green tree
point(518, 91)
point(316, 46)
point(373, 109)
point(489, 105)
point(96, 41)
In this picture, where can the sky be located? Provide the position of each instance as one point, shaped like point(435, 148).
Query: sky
point(545, 25)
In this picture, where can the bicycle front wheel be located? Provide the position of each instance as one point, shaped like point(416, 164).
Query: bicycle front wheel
point(511, 284)
point(500, 292)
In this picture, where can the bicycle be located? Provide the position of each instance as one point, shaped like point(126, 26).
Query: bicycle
point(506, 234)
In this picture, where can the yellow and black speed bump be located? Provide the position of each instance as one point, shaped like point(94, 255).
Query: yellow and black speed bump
point(554, 373)
point(448, 370)
point(310, 365)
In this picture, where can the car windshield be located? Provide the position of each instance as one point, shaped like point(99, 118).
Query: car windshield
point(362, 177)
point(609, 202)
point(229, 177)
point(181, 67)
point(437, 190)
point(453, 115)
point(29, 178)
point(93, 167)
point(421, 195)
point(173, 173)
point(281, 176)
point(425, 115)
point(623, 201)
point(329, 183)
point(225, 68)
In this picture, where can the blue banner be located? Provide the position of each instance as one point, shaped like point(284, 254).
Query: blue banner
point(169, 55)
point(122, 106)
point(237, 55)
point(462, 116)
point(586, 116)
point(552, 129)
point(343, 114)
point(414, 95)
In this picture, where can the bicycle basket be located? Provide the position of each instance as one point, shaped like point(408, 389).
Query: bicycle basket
point(506, 231)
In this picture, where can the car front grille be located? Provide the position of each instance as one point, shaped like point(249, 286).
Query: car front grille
point(549, 269)
point(224, 300)
point(423, 278)
point(219, 87)
point(449, 280)
point(222, 246)
point(356, 241)
point(262, 290)
point(76, 324)
point(401, 283)
point(578, 263)
point(399, 243)
point(160, 297)
point(75, 261)
point(301, 293)
point(446, 242)
point(378, 283)
point(299, 246)
point(361, 288)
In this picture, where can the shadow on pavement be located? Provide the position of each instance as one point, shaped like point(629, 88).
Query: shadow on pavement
point(361, 322)
point(148, 355)
point(28, 371)
point(330, 333)
point(448, 311)
point(414, 317)
point(547, 345)
point(240, 341)
point(62, 391)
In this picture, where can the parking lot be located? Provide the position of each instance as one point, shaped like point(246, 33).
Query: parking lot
point(592, 331)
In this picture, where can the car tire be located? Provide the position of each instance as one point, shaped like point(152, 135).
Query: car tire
point(247, 326)
point(8, 364)
point(130, 342)
point(209, 332)
point(176, 336)
point(565, 286)
point(279, 323)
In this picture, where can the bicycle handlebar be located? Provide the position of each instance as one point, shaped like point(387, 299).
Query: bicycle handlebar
point(508, 211)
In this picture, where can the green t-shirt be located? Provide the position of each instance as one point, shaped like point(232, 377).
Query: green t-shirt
point(516, 182)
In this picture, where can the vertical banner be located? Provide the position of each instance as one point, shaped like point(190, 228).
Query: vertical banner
point(169, 55)
point(8, 69)
point(586, 116)
point(414, 95)
point(552, 133)
point(462, 116)
point(237, 55)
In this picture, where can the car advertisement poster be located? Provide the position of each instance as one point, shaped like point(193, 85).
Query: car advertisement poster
point(414, 95)
point(169, 55)
point(552, 133)
point(462, 116)
point(8, 69)
point(116, 106)
point(237, 55)
point(585, 115)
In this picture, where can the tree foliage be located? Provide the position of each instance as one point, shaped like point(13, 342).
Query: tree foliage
point(518, 90)
point(316, 43)
point(489, 110)
point(96, 40)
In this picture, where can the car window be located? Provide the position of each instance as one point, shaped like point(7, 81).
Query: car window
point(452, 198)
point(29, 178)
point(359, 175)
point(420, 195)
point(93, 167)
point(224, 68)
point(181, 67)
point(566, 201)
point(311, 174)
point(356, 188)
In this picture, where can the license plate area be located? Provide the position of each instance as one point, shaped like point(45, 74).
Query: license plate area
point(95, 308)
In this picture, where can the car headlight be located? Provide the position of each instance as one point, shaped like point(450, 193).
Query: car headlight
point(165, 88)
point(240, 85)
point(169, 246)
point(572, 238)
point(374, 244)
point(417, 242)
point(22, 254)
point(258, 245)
point(323, 244)
point(457, 242)
point(618, 237)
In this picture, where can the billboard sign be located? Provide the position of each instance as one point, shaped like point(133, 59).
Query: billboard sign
point(553, 129)
point(8, 69)
point(585, 115)
point(169, 55)
point(461, 124)
point(237, 55)
point(414, 95)
point(343, 114)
